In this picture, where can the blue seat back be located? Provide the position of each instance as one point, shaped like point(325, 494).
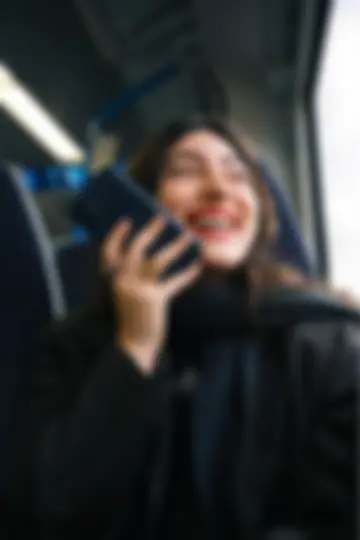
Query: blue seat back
point(30, 295)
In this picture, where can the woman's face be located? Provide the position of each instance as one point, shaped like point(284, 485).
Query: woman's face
point(209, 189)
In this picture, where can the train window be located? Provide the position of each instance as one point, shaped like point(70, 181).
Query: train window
point(337, 117)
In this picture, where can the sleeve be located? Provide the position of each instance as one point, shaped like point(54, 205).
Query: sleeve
point(328, 499)
point(91, 438)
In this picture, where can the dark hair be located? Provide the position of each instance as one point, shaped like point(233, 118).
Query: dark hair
point(260, 268)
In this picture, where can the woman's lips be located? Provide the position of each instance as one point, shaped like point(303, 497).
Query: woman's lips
point(216, 226)
point(213, 234)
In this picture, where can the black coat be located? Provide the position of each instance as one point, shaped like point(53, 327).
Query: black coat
point(93, 419)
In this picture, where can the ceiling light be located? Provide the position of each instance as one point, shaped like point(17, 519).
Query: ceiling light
point(24, 109)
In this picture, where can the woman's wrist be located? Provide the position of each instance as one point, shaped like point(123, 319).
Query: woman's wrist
point(144, 355)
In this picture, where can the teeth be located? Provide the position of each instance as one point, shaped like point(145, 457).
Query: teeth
point(214, 222)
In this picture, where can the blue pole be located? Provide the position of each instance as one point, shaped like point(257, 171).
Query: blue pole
point(129, 97)
point(134, 93)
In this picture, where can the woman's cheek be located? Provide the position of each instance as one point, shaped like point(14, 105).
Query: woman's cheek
point(177, 200)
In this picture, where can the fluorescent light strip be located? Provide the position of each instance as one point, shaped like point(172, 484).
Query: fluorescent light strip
point(33, 118)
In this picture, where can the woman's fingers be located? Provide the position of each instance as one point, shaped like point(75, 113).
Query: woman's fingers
point(134, 256)
point(177, 283)
point(137, 250)
point(113, 244)
point(170, 252)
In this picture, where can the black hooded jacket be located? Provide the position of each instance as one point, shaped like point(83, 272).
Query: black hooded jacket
point(255, 441)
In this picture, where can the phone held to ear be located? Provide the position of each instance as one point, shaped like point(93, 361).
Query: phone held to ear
point(112, 196)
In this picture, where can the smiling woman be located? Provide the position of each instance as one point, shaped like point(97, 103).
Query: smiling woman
point(178, 407)
point(209, 189)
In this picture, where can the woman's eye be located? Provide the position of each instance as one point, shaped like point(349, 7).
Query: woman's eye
point(184, 170)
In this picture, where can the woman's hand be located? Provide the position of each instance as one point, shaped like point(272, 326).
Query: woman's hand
point(141, 299)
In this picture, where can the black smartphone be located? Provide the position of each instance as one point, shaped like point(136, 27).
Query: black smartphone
point(112, 195)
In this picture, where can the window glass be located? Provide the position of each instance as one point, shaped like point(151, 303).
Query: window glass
point(337, 110)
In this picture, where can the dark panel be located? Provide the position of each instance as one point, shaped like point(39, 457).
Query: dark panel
point(280, 31)
point(140, 28)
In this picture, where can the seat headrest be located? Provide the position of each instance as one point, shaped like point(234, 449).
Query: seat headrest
point(290, 247)
point(30, 295)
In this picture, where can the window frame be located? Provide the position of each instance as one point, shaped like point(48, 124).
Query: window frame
point(315, 24)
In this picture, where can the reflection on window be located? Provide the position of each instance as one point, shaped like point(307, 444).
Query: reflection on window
point(337, 106)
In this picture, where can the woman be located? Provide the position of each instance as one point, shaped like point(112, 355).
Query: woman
point(193, 406)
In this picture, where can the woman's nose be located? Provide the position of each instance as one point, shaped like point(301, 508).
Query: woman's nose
point(215, 186)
